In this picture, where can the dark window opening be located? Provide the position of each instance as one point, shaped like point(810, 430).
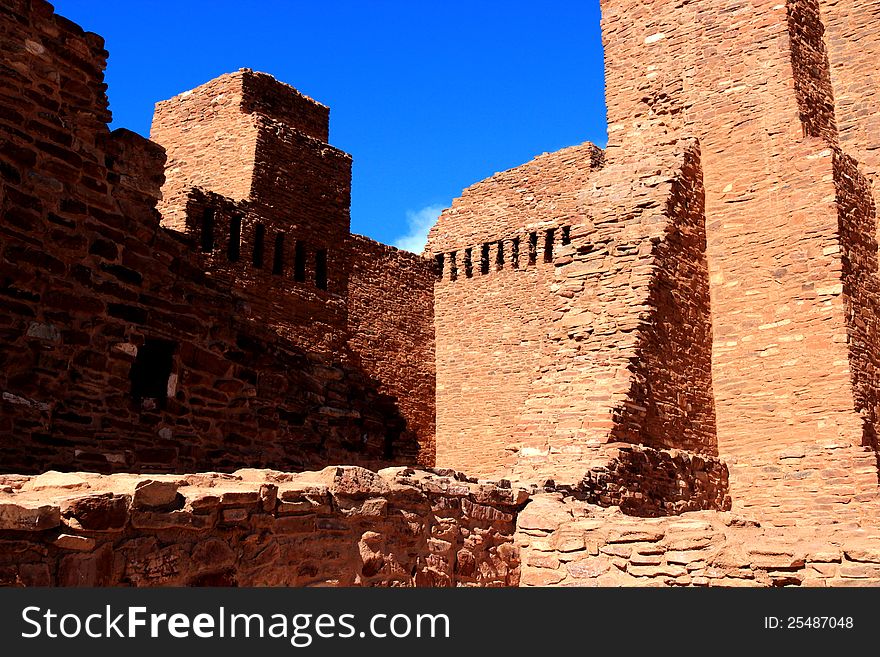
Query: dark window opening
point(566, 235)
point(468, 263)
point(259, 238)
point(499, 256)
point(438, 266)
point(453, 266)
point(514, 253)
point(208, 230)
point(533, 248)
point(321, 269)
point(234, 249)
point(548, 245)
point(151, 370)
point(484, 259)
point(299, 262)
point(278, 255)
point(390, 440)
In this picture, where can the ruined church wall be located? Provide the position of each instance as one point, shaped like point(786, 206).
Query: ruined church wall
point(242, 259)
point(337, 527)
point(391, 330)
point(491, 327)
point(262, 94)
point(854, 50)
point(611, 343)
point(729, 75)
point(281, 237)
point(670, 402)
point(857, 220)
point(629, 341)
point(92, 287)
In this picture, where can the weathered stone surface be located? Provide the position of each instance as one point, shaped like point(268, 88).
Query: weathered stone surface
point(204, 306)
point(589, 568)
point(76, 543)
point(778, 95)
point(543, 513)
point(29, 516)
point(553, 278)
point(101, 512)
point(696, 549)
point(152, 494)
point(125, 332)
point(53, 479)
point(354, 482)
point(360, 530)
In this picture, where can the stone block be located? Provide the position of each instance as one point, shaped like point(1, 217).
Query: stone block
point(29, 517)
point(102, 512)
point(152, 494)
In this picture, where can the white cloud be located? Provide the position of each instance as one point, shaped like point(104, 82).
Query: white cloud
point(418, 225)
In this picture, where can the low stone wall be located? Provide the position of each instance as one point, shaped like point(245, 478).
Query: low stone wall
point(566, 542)
point(347, 526)
point(342, 526)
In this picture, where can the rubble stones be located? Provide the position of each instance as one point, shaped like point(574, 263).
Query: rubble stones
point(702, 548)
point(340, 526)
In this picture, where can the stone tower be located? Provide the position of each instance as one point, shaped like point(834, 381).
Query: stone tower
point(780, 96)
point(247, 138)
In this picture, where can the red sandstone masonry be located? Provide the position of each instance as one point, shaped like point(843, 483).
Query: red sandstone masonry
point(210, 143)
point(607, 340)
point(290, 225)
point(337, 527)
point(342, 526)
point(750, 80)
point(289, 198)
point(490, 327)
point(294, 308)
point(648, 482)
point(565, 542)
point(550, 351)
point(212, 133)
point(854, 50)
point(92, 287)
point(391, 321)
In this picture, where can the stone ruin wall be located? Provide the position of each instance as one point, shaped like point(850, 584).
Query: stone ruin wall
point(90, 281)
point(491, 328)
point(565, 542)
point(374, 305)
point(572, 311)
point(853, 52)
point(341, 526)
point(262, 228)
point(785, 158)
point(791, 277)
point(211, 144)
point(337, 527)
point(385, 295)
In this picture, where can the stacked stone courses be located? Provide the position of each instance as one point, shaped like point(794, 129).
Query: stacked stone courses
point(603, 337)
point(337, 527)
point(790, 232)
point(131, 346)
point(656, 363)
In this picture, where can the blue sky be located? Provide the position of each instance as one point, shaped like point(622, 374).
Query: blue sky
point(427, 97)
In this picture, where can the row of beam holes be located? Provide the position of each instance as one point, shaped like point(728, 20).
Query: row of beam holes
point(233, 252)
point(484, 264)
